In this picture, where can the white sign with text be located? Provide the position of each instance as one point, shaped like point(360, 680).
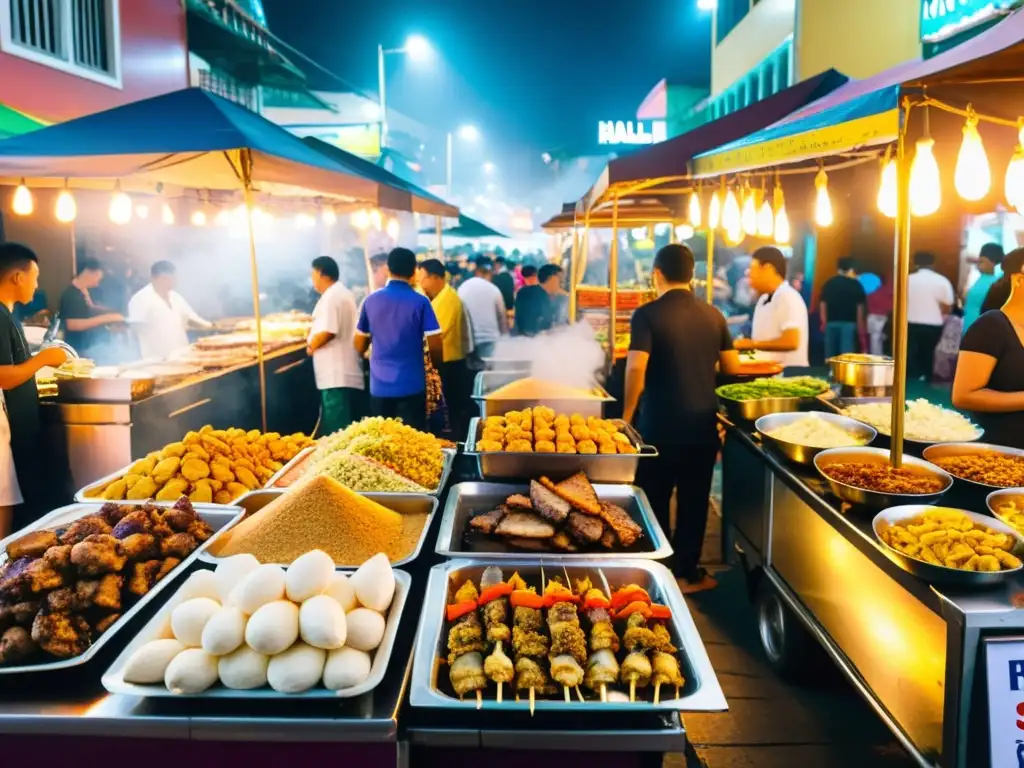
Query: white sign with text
point(1004, 662)
point(631, 132)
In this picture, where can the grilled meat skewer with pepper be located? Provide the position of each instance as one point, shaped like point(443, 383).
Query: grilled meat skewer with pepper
point(465, 643)
point(494, 599)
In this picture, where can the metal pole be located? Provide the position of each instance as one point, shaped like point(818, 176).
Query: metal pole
point(613, 283)
point(440, 236)
point(245, 161)
point(709, 289)
point(448, 166)
point(672, 232)
point(364, 243)
point(901, 274)
point(574, 256)
point(382, 95)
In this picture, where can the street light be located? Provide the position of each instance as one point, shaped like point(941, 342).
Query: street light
point(468, 133)
point(488, 167)
point(707, 5)
point(416, 48)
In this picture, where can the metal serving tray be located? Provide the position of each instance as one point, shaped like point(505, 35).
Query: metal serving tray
point(752, 410)
point(940, 574)
point(488, 381)
point(430, 687)
point(837, 404)
point(302, 456)
point(860, 433)
point(403, 503)
point(878, 499)
point(219, 517)
point(465, 499)
point(160, 627)
point(600, 468)
point(123, 389)
point(943, 450)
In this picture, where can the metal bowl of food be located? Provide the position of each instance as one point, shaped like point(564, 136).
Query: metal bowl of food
point(982, 465)
point(752, 410)
point(862, 371)
point(750, 400)
point(824, 431)
point(1007, 506)
point(941, 566)
point(917, 481)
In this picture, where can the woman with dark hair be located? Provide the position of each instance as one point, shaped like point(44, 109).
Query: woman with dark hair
point(989, 378)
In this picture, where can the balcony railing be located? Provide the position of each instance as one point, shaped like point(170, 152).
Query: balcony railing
point(229, 88)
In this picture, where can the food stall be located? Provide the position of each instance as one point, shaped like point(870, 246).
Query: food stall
point(829, 528)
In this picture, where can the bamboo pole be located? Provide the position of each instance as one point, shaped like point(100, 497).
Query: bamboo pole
point(901, 275)
point(613, 283)
point(245, 162)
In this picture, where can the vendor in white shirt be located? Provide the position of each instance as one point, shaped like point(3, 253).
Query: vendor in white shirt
point(780, 325)
point(160, 316)
point(336, 364)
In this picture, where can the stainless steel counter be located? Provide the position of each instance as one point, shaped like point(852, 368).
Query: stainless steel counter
point(909, 647)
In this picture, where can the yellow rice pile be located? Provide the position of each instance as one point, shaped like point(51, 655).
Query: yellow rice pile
point(531, 388)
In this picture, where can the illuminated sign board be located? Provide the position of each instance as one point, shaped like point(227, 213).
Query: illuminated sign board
point(941, 19)
point(362, 140)
point(631, 131)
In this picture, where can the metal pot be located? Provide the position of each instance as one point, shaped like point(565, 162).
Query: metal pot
point(851, 371)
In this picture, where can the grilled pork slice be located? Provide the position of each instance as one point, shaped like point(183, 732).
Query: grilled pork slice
point(518, 502)
point(578, 491)
point(585, 528)
point(486, 522)
point(524, 525)
point(618, 520)
point(609, 539)
point(548, 504)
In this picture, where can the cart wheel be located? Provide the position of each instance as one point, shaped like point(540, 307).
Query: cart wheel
point(786, 642)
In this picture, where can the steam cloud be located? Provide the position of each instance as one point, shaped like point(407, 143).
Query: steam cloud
point(569, 355)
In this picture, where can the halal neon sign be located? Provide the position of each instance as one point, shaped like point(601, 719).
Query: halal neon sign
point(941, 19)
point(631, 131)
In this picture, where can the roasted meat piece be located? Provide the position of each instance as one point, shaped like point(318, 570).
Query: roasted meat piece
point(31, 545)
point(618, 520)
point(102, 625)
point(661, 639)
point(524, 525)
point(59, 557)
point(143, 577)
point(577, 490)
point(565, 670)
point(168, 565)
point(465, 636)
point(602, 669)
point(200, 530)
point(97, 555)
point(179, 545)
point(177, 519)
point(114, 513)
point(527, 618)
point(63, 600)
point(25, 577)
point(83, 528)
point(636, 668)
point(530, 674)
point(609, 539)
point(486, 522)
point(498, 667)
point(16, 645)
point(136, 521)
point(102, 593)
point(564, 542)
point(63, 635)
point(527, 642)
point(587, 529)
point(467, 673)
point(547, 504)
point(519, 502)
point(666, 670)
point(567, 637)
point(18, 614)
point(603, 637)
point(140, 546)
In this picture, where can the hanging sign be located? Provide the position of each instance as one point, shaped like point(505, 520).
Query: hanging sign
point(631, 131)
point(1004, 661)
point(941, 19)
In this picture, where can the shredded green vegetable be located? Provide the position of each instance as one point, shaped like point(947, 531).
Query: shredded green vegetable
point(759, 389)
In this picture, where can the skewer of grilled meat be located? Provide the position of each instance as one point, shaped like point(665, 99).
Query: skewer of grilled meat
point(497, 666)
point(568, 643)
point(528, 642)
point(465, 643)
point(638, 640)
point(666, 672)
point(602, 667)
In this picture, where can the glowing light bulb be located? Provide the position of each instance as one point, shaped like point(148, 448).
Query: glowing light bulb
point(361, 219)
point(887, 189)
point(22, 203)
point(376, 220)
point(925, 186)
point(638, 233)
point(781, 226)
point(684, 232)
point(765, 220)
point(304, 221)
point(1014, 182)
point(731, 213)
point(972, 178)
point(748, 217)
point(393, 229)
point(142, 211)
point(694, 212)
point(198, 218)
point(328, 217)
point(166, 214)
point(714, 211)
point(823, 216)
point(120, 211)
point(66, 210)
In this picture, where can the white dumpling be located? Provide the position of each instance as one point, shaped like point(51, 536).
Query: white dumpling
point(341, 590)
point(374, 583)
point(297, 669)
point(322, 623)
point(243, 669)
point(273, 628)
point(231, 571)
point(225, 631)
point(189, 619)
point(200, 584)
point(191, 671)
point(309, 575)
point(345, 668)
point(365, 629)
point(149, 663)
point(261, 586)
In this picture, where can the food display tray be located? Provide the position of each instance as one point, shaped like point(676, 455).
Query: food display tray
point(878, 499)
point(403, 503)
point(600, 468)
point(124, 389)
point(488, 381)
point(752, 410)
point(302, 456)
point(701, 692)
point(219, 517)
point(837, 404)
point(160, 627)
point(943, 450)
point(937, 574)
point(804, 454)
point(466, 499)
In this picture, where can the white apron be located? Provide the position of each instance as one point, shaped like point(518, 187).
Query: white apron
point(10, 493)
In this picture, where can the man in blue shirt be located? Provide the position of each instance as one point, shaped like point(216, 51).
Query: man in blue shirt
point(397, 319)
point(989, 259)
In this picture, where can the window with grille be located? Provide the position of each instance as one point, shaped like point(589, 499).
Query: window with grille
point(80, 36)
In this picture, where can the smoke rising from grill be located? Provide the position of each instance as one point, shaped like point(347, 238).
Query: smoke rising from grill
point(570, 355)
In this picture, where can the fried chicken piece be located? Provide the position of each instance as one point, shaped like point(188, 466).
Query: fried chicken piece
point(200, 530)
point(136, 521)
point(16, 645)
point(18, 614)
point(59, 557)
point(143, 577)
point(666, 670)
point(12, 578)
point(662, 639)
point(114, 513)
point(31, 545)
point(178, 520)
point(527, 618)
point(23, 578)
point(63, 635)
point(465, 636)
point(568, 638)
point(102, 593)
point(168, 565)
point(63, 600)
point(179, 545)
point(140, 546)
point(85, 527)
point(97, 555)
point(527, 642)
point(104, 624)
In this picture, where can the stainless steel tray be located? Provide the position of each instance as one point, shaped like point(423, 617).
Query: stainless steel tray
point(507, 465)
point(752, 410)
point(837, 404)
point(804, 454)
point(488, 381)
point(941, 450)
point(219, 517)
point(79, 389)
point(1003, 493)
point(508, 364)
point(465, 499)
point(303, 455)
point(877, 499)
point(160, 625)
point(701, 693)
point(940, 574)
point(403, 503)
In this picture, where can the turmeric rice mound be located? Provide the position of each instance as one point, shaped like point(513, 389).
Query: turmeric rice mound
point(531, 388)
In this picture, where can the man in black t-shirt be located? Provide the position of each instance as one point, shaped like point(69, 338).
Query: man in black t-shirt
point(533, 305)
point(505, 282)
point(84, 321)
point(843, 311)
point(676, 345)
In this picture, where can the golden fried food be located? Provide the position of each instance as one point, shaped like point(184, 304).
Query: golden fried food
point(553, 433)
point(544, 446)
point(494, 434)
point(989, 468)
point(586, 446)
point(626, 447)
point(173, 489)
point(580, 432)
point(194, 470)
point(565, 447)
point(519, 446)
point(1010, 509)
point(607, 447)
point(949, 538)
point(116, 491)
point(547, 435)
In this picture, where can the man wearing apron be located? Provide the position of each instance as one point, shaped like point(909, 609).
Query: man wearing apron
point(19, 278)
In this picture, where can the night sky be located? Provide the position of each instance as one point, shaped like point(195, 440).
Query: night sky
point(533, 75)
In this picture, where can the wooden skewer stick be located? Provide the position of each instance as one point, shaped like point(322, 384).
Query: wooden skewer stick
point(604, 693)
point(565, 690)
point(499, 693)
point(579, 693)
point(533, 702)
point(479, 699)
point(677, 691)
point(657, 692)
point(632, 688)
